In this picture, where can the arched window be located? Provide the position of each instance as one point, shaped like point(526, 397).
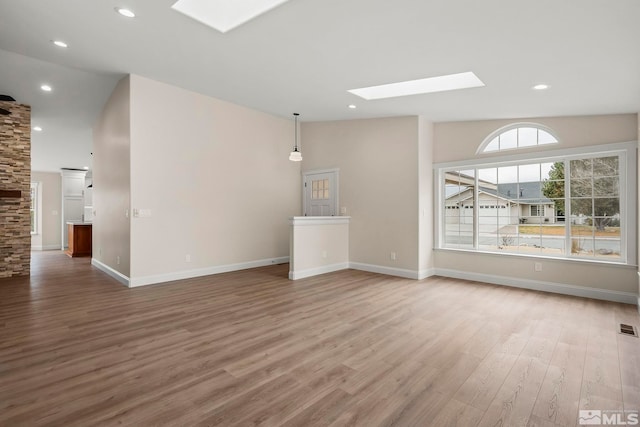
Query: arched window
point(517, 135)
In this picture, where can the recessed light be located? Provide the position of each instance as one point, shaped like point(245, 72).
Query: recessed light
point(353, 107)
point(86, 168)
point(125, 12)
point(416, 87)
point(37, 128)
point(46, 88)
point(60, 43)
point(540, 86)
point(225, 15)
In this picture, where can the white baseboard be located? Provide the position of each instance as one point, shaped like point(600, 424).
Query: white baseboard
point(188, 274)
point(111, 272)
point(391, 271)
point(295, 275)
point(423, 274)
point(557, 288)
point(46, 248)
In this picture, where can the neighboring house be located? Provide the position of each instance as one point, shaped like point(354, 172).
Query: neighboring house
point(504, 204)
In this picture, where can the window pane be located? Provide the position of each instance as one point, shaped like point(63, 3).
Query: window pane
point(489, 175)
point(509, 139)
point(607, 248)
point(529, 173)
point(581, 187)
point(507, 174)
point(527, 137)
point(493, 145)
point(605, 186)
point(581, 207)
point(606, 207)
point(605, 166)
point(581, 168)
point(545, 138)
point(458, 232)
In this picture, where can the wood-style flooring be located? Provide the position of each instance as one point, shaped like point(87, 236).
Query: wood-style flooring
point(344, 349)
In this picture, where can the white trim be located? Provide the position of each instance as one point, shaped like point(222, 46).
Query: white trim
point(380, 269)
point(45, 248)
point(111, 272)
point(188, 274)
point(423, 274)
point(319, 220)
point(544, 156)
point(295, 275)
point(556, 288)
point(593, 261)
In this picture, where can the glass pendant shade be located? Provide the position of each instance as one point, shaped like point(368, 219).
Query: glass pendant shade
point(295, 156)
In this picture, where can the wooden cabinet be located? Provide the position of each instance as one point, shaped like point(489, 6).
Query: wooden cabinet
point(79, 240)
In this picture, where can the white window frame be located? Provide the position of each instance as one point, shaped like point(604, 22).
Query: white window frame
point(513, 126)
point(34, 206)
point(627, 194)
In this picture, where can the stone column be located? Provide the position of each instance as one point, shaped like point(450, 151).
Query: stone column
point(15, 175)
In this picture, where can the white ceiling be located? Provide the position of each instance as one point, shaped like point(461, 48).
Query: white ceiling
point(304, 55)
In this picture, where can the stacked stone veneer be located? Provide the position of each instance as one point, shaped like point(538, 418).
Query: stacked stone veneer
point(15, 174)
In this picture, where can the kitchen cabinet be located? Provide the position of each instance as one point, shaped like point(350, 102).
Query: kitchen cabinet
point(79, 235)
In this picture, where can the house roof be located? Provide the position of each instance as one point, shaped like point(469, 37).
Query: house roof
point(524, 192)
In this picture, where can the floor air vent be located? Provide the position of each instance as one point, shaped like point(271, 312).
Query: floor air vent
point(628, 330)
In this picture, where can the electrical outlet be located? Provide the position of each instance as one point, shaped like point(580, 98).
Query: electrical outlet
point(537, 266)
point(324, 254)
point(343, 210)
point(118, 260)
point(393, 256)
point(187, 258)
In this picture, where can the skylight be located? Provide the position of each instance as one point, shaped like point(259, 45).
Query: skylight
point(416, 87)
point(225, 15)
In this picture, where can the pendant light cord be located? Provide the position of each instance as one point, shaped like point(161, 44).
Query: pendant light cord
point(295, 129)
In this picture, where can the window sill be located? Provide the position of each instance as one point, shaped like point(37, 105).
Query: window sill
point(550, 258)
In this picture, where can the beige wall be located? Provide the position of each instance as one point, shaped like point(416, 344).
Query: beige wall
point(215, 178)
point(460, 140)
point(318, 245)
point(378, 162)
point(575, 273)
point(425, 194)
point(50, 202)
point(111, 181)
point(457, 141)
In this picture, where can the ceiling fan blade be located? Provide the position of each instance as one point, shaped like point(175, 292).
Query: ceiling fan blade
point(7, 98)
point(4, 112)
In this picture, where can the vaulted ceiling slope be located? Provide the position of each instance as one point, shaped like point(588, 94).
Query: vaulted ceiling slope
point(304, 55)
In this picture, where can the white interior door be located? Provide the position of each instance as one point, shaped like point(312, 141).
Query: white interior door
point(320, 193)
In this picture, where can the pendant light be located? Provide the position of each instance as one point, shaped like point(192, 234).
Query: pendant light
point(295, 155)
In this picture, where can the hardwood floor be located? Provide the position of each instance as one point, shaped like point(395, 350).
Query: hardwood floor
point(343, 349)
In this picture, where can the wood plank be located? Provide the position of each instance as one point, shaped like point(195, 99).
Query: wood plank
point(345, 348)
